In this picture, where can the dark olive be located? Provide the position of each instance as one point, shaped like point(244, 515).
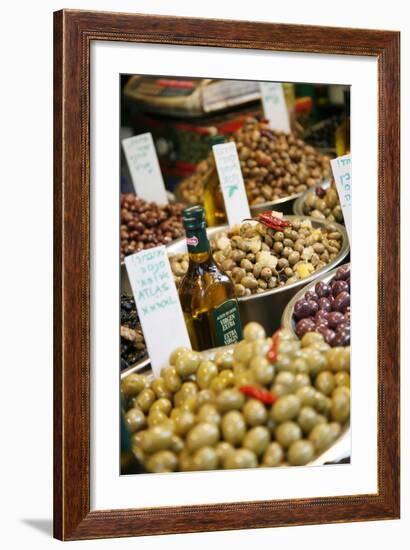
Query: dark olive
point(338, 287)
point(341, 302)
point(322, 289)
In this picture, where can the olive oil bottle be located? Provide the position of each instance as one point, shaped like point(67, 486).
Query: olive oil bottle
point(207, 294)
point(214, 204)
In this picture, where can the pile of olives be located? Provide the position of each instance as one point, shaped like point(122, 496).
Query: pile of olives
point(259, 259)
point(326, 309)
point(323, 204)
point(133, 346)
point(197, 415)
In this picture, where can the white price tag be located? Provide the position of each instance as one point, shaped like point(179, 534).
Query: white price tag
point(158, 305)
point(342, 172)
point(144, 167)
point(231, 180)
point(274, 106)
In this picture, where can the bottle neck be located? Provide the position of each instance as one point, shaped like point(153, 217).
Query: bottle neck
point(199, 249)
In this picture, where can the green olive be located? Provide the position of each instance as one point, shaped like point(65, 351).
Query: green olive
point(338, 359)
point(176, 354)
point(307, 395)
point(162, 404)
point(262, 371)
point(145, 399)
point(287, 379)
point(284, 362)
point(207, 370)
point(230, 399)
point(243, 351)
point(133, 384)
point(287, 433)
point(208, 413)
point(224, 360)
point(160, 389)
point(162, 461)
point(171, 379)
point(261, 347)
point(188, 389)
point(205, 396)
point(257, 440)
point(301, 380)
point(184, 421)
point(321, 437)
point(222, 449)
point(300, 452)
point(279, 389)
point(205, 458)
point(325, 382)
point(322, 403)
point(156, 417)
point(187, 363)
point(185, 461)
point(240, 458)
point(253, 331)
point(307, 419)
point(273, 455)
point(156, 438)
point(177, 444)
point(340, 405)
point(233, 427)
point(299, 366)
point(135, 420)
point(203, 434)
point(255, 412)
point(342, 378)
point(190, 403)
point(286, 407)
point(315, 360)
point(336, 429)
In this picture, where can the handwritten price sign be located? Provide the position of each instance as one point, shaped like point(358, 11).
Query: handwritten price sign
point(342, 173)
point(144, 168)
point(274, 106)
point(158, 304)
point(231, 180)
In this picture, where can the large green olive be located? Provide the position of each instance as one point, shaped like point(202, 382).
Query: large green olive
point(162, 461)
point(224, 360)
point(307, 395)
point(184, 421)
point(201, 435)
point(188, 389)
point(135, 420)
point(321, 437)
point(253, 331)
point(156, 417)
point(287, 433)
point(222, 449)
point(254, 412)
point(207, 370)
point(273, 455)
point(230, 399)
point(338, 359)
point(160, 389)
point(300, 452)
point(262, 371)
point(342, 378)
point(311, 337)
point(233, 427)
point(240, 458)
point(308, 418)
point(301, 380)
point(286, 379)
point(133, 384)
point(205, 396)
point(257, 439)
point(187, 363)
point(177, 444)
point(205, 458)
point(162, 404)
point(176, 354)
point(286, 407)
point(340, 407)
point(325, 382)
point(145, 399)
point(208, 413)
point(156, 438)
point(243, 351)
point(171, 378)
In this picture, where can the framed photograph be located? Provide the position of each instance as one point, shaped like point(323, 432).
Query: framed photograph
point(215, 365)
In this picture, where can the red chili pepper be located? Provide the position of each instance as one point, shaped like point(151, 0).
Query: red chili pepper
point(273, 352)
point(266, 218)
point(260, 394)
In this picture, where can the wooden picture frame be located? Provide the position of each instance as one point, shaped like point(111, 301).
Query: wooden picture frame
point(74, 32)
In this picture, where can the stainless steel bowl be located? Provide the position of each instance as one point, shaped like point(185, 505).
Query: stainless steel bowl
point(265, 308)
point(287, 317)
point(299, 203)
point(284, 205)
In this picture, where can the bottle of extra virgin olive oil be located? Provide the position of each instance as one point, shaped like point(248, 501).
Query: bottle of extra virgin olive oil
point(207, 294)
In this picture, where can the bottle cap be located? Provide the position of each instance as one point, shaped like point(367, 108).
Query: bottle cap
point(194, 217)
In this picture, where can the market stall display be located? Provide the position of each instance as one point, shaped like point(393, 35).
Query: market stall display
point(262, 402)
point(147, 224)
point(323, 307)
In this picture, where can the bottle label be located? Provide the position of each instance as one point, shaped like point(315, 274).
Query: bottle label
point(197, 241)
point(227, 323)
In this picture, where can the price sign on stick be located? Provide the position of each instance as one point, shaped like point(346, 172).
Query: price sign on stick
point(274, 106)
point(231, 180)
point(144, 168)
point(342, 172)
point(157, 301)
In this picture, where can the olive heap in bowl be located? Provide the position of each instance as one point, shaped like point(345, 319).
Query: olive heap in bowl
point(133, 347)
point(323, 308)
point(321, 203)
point(264, 402)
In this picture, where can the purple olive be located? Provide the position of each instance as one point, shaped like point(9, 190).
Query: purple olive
point(314, 307)
point(334, 318)
point(321, 315)
point(324, 304)
point(338, 287)
point(320, 192)
point(327, 334)
point(344, 326)
point(341, 339)
point(342, 273)
point(322, 289)
point(342, 301)
point(303, 326)
point(310, 295)
point(302, 309)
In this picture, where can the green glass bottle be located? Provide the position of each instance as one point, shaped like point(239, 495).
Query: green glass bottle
point(206, 293)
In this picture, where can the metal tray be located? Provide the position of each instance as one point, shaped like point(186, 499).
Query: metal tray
point(287, 317)
point(266, 308)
